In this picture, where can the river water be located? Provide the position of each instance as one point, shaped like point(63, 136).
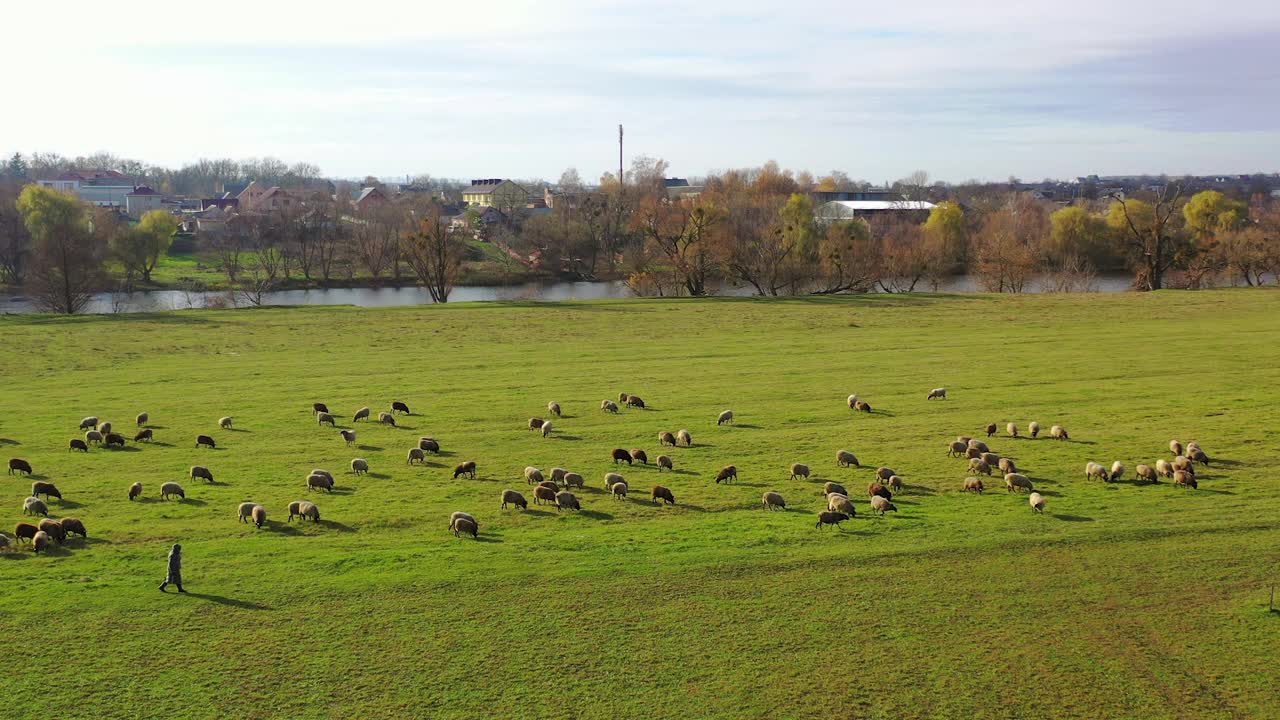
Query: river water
point(158, 300)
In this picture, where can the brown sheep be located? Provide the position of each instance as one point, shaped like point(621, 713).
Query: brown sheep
point(77, 444)
point(973, 484)
point(1007, 465)
point(25, 531)
point(991, 429)
point(40, 541)
point(885, 473)
point(201, 472)
point(426, 444)
point(536, 423)
point(397, 406)
point(319, 408)
point(799, 470)
point(827, 517)
point(828, 488)
point(667, 438)
point(551, 485)
point(664, 462)
point(620, 455)
point(956, 448)
point(640, 456)
point(206, 441)
point(990, 458)
point(511, 497)
point(144, 435)
point(661, 493)
point(622, 397)
point(635, 401)
point(844, 458)
point(54, 528)
point(19, 465)
point(727, 473)
point(135, 490)
point(771, 500)
point(973, 453)
point(142, 419)
point(1182, 478)
point(47, 489)
point(387, 419)
point(467, 468)
point(875, 489)
point(466, 526)
point(543, 494)
point(863, 406)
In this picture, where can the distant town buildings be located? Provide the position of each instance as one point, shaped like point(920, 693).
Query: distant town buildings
point(495, 192)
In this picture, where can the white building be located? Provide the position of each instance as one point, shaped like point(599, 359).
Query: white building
point(849, 209)
point(143, 200)
point(104, 188)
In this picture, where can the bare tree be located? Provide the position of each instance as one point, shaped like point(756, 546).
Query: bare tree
point(1148, 232)
point(435, 253)
point(680, 231)
point(1011, 246)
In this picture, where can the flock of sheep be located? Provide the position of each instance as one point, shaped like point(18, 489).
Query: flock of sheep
point(554, 487)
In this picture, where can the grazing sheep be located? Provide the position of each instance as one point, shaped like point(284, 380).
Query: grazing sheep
point(827, 517)
point(316, 481)
point(466, 526)
point(799, 470)
point(881, 504)
point(608, 406)
point(34, 506)
point(224, 423)
point(54, 528)
point(684, 437)
point(884, 473)
point(964, 439)
point(546, 429)
point(245, 511)
point(1164, 467)
point(359, 465)
point(1012, 429)
point(863, 406)
point(73, 526)
point(1117, 470)
point(348, 435)
point(325, 473)
point(1094, 470)
point(535, 423)
point(40, 541)
point(387, 419)
point(852, 402)
point(552, 486)
point(573, 479)
point(1007, 465)
point(135, 490)
point(1146, 472)
point(1034, 429)
point(1182, 462)
point(667, 438)
point(47, 489)
point(19, 465)
point(844, 458)
point(895, 484)
point(771, 500)
point(142, 419)
point(553, 408)
point(533, 475)
point(543, 494)
point(1175, 447)
point(144, 435)
point(259, 515)
point(973, 484)
point(304, 510)
point(200, 471)
point(416, 454)
point(104, 427)
point(972, 453)
point(89, 422)
point(93, 436)
point(1037, 502)
point(664, 461)
point(727, 473)
point(426, 444)
point(611, 478)
point(467, 468)
point(459, 515)
point(1017, 482)
point(114, 439)
point(991, 429)
point(77, 444)
point(875, 489)
point(319, 408)
point(325, 418)
point(361, 414)
point(1058, 432)
point(661, 493)
point(205, 440)
point(979, 446)
point(956, 448)
point(25, 531)
point(566, 500)
point(622, 397)
point(557, 475)
point(639, 456)
point(1198, 455)
point(990, 458)
point(828, 488)
point(619, 490)
point(725, 417)
point(1182, 478)
point(620, 455)
point(635, 401)
point(397, 406)
point(937, 393)
point(511, 497)
point(841, 503)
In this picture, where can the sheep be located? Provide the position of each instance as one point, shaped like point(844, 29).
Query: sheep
point(844, 458)
point(875, 489)
point(323, 418)
point(142, 419)
point(511, 497)
point(1197, 455)
point(639, 456)
point(884, 473)
point(543, 494)
point(895, 484)
point(557, 475)
point(1012, 429)
point(34, 506)
point(467, 468)
point(684, 437)
point(25, 531)
point(608, 406)
point(964, 439)
point(666, 438)
point(397, 406)
point(466, 526)
point(1058, 432)
point(574, 480)
point(1146, 472)
point(664, 461)
point(1094, 470)
point(852, 402)
point(1182, 462)
point(324, 473)
point(991, 429)
point(619, 491)
point(979, 446)
point(93, 436)
point(135, 490)
point(359, 465)
point(1164, 467)
point(973, 484)
point(19, 465)
point(620, 455)
point(841, 503)
point(553, 408)
point(1007, 465)
point(77, 444)
point(54, 528)
point(937, 393)
point(1036, 500)
point(431, 445)
point(205, 440)
point(104, 427)
point(611, 478)
point(622, 397)
point(956, 448)
point(259, 515)
point(990, 458)
point(1034, 429)
point(361, 414)
point(114, 439)
point(972, 453)
point(1175, 447)
point(1016, 482)
point(40, 541)
point(1182, 478)
point(73, 526)
point(725, 417)
point(799, 470)
point(224, 423)
point(727, 473)
point(881, 504)
point(635, 401)
point(566, 500)
point(316, 481)
point(1117, 470)
point(89, 422)
point(828, 517)
point(535, 423)
point(47, 489)
point(199, 471)
point(533, 475)
point(348, 435)
point(387, 419)
point(550, 485)
point(863, 406)
point(304, 510)
point(771, 500)
point(144, 435)
point(319, 408)
point(661, 493)
point(5, 542)
point(828, 488)
point(415, 454)
point(546, 429)
point(245, 511)
point(459, 515)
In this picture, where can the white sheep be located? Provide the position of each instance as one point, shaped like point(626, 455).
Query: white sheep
point(1037, 502)
point(684, 437)
point(1058, 432)
point(840, 503)
point(619, 490)
point(1012, 429)
point(1094, 470)
point(533, 475)
point(852, 401)
point(938, 393)
point(1117, 470)
point(1034, 429)
point(546, 429)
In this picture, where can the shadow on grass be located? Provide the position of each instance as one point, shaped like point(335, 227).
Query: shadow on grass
point(1215, 461)
point(1049, 493)
point(1070, 518)
point(334, 525)
point(236, 429)
point(682, 471)
point(482, 478)
point(341, 490)
point(487, 539)
point(14, 553)
point(123, 448)
point(374, 448)
point(565, 437)
point(746, 426)
point(283, 528)
point(69, 504)
point(153, 443)
point(32, 476)
point(595, 514)
point(231, 602)
point(380, 476)
point(9, 441)
point(192, 501)
point(1214, 491)
point(94, 541)
point(918, 490)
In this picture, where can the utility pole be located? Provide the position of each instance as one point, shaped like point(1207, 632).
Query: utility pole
point(619, 156)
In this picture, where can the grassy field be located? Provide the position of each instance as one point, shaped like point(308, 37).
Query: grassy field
point(1121, 601)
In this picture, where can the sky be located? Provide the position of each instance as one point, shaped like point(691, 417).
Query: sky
point(526, 89)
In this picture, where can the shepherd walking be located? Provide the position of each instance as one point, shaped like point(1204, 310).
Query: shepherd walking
point(175, 570)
